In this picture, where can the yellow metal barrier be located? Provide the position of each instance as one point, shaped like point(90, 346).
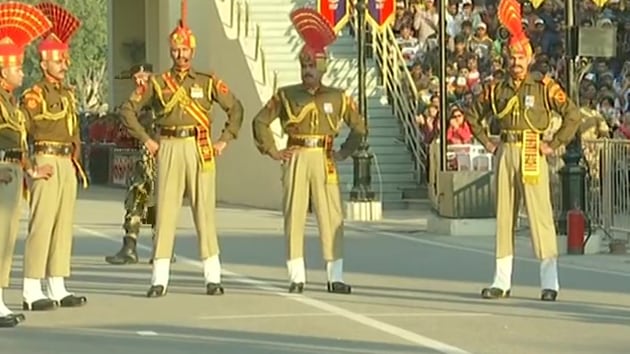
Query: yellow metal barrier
point(403, 96)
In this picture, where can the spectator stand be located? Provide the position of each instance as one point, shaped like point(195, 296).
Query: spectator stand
point(110, 153)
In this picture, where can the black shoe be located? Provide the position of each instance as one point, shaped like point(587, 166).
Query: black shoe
point(156, 291)
point(338, 287)
point(495, 293)
point(548, 295)
point(39, 305)
point(297, 288)
point(73, 301)
point(126, 255)
point(214, 289)
point(12, 320)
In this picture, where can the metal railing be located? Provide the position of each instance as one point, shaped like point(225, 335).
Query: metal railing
point(240, 19)
point(607, 187)
point(403, 96)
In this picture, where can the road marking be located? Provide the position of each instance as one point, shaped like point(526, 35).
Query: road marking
point(328, 314)
point(400, 236)
point(318, 304)
point(240, 340)
point(146, 333)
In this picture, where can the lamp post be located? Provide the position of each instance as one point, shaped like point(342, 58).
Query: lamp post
point(362, 157)
point(443, 87)
point(573, 173)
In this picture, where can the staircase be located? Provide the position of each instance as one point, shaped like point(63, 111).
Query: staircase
point(392, 170)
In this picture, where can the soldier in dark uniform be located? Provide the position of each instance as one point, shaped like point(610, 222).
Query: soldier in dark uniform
point(522, 104)
point(312, 115)
point(140, 198)
point(54, 128)
point(13, 144)
point(182, 99)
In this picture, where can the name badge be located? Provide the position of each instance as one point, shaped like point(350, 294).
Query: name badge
point(196, 91)
point(529, 101)
point(328, 108)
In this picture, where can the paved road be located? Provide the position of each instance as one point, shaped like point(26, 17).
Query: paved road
point(414, 293)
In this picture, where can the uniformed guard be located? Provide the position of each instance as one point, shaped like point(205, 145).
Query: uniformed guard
point(311, 115)
point(182, 100)
point(140, 199)
point(522, 104)
point(50, 106)
point(25, 24)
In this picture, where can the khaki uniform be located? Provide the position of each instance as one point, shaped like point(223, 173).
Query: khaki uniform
point(523, 115)
point(311, 121)
point(53, 126)
point(185, 160)
point(12, 150)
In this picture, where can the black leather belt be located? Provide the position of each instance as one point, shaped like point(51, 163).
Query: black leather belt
point(513, 137)
point(309, 141)
point(53, 148)
point(178, 132)
point(11, 155)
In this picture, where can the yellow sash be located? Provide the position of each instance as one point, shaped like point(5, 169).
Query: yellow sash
point(331, 167)
point(530, 157)
point(204, 146)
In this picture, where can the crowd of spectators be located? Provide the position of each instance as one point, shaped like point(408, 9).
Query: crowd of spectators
point(476, 48)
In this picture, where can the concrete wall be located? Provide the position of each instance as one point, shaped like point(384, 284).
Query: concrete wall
point(243, 175)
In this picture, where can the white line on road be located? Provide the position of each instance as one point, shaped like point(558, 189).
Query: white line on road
point(399, 236)
point(237, 340)
point(318, 304)
point(327, 314)
point(146, 333)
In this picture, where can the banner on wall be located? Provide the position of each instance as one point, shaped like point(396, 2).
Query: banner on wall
point(336, 12)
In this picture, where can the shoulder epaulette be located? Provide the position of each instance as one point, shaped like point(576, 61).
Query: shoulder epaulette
point(34, 92)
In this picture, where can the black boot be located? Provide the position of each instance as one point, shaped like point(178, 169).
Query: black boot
point(126, 255)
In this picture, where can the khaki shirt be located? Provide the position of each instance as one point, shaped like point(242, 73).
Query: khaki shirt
point(12, 123)
point(167, 103)
point(51, 113)
point(304, 113)
point(526, 107)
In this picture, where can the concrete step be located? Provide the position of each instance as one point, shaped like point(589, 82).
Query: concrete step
point(416, 193)
point(417, 204)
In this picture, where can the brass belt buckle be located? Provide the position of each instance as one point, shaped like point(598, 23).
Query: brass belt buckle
point(311, 142)
point(183, 133)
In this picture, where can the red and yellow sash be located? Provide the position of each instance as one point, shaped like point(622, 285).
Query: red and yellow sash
point(204, 143)
point(530, 157)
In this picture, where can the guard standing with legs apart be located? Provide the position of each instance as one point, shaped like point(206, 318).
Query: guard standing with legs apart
point(522, 104)
point(182, 100)
point(54, 128)
point(312, 115)
point(20, 24)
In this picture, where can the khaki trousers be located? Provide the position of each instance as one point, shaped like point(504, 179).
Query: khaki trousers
point(48, 246)
point(179, 172)
point(303, 176)
point(10, 211)
point(510, 190)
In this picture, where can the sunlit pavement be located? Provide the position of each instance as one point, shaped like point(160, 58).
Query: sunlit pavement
point(412, 293)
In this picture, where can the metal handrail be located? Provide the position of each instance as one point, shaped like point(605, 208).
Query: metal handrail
point(403, 95)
